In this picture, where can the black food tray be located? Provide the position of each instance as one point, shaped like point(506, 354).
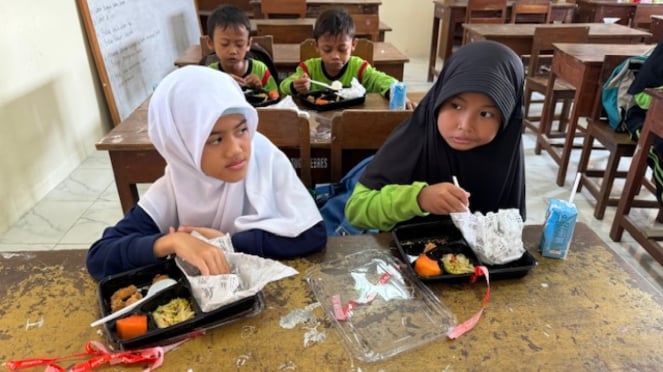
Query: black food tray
point(142, 278)
point(259, 97)
point(411, 240)
point(335, 101)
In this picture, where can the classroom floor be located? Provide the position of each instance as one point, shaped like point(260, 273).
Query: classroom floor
point(74, 214)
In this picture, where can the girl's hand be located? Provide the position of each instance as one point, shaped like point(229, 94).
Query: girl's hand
point(210, 260)
point(443, 198)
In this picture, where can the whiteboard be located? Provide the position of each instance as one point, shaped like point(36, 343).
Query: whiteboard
point(135, 43)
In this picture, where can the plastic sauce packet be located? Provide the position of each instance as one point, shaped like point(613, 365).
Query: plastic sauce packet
point(558, 228)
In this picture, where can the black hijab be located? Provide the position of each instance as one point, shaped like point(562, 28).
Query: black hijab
point(494, 173)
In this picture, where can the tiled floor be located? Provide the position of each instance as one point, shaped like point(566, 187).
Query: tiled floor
point(75, 213)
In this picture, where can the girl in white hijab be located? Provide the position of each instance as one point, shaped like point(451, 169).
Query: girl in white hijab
point(221, 177)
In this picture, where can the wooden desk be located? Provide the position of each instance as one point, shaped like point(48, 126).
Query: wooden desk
point(520, 36)
point(596, 10)
point(305, 21)
point(386, 58)
point(315, 7)
point(135, 160)
point(652, 127)
point(451, 15)
point(591, 311)
point(579, 65)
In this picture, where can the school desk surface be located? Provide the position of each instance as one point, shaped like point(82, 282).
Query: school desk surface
point(590, 311)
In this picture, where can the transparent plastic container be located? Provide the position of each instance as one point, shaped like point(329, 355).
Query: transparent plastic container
point(391, 311)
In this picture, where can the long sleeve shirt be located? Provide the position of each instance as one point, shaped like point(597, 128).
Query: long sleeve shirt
point(383, 209)
point(129, 244)
point(369, 77)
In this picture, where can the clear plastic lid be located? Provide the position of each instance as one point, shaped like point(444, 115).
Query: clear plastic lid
point(378, 307)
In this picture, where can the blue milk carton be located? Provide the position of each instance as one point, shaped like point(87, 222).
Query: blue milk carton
point(397, 96)
point(558, 228)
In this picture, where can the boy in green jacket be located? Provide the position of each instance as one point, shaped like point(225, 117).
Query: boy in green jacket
point(229, 30)
point(334, 35)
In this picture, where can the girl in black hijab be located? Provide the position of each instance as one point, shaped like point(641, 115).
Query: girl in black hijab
point(469, 125)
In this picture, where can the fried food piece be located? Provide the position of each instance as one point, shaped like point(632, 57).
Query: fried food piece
point(429, 246)
point(159, 277)
point(124, 297)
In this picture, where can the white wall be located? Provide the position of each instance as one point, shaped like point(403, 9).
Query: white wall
point(412, 22)
point(51, 110)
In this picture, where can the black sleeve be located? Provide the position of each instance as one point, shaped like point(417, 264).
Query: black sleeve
point(127, 245)
point(265, 244)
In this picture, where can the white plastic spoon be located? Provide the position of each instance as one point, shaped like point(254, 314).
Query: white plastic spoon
point(335, 85)
point(154, 289)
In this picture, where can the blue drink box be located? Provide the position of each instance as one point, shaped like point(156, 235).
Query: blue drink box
point(558, 228)
point(397, 96)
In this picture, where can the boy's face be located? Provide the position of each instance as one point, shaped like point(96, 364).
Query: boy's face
point(335, 51)
point(228, 149)
point(468, 120)
point(230, 44)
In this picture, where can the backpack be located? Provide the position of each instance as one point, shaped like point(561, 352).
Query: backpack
point(331, 200)
point(614, 94)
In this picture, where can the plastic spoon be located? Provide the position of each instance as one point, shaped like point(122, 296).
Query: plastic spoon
point(335, 85)
point(154, 289)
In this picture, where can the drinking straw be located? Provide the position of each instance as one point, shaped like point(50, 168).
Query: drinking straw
point(575, 188)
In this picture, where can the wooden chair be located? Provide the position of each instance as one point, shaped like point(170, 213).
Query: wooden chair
point(652, 127)
point(619, 145)
point(357, 129)
point(530, 11)
point(209, 5)
point(484, 11)
point(287, 129)
point(537, 77)
point(283, 8)
point(285, 33)
point(367, 25)
point(642, 18)
point(206, 7)
point(656, 28)
point(364, 50)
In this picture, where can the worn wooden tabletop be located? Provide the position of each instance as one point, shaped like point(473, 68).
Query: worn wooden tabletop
point(588, 312)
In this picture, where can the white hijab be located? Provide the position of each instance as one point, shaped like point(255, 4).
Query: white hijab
point(182, 112)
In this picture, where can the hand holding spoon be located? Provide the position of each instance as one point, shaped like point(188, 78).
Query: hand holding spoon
point(335, 85)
